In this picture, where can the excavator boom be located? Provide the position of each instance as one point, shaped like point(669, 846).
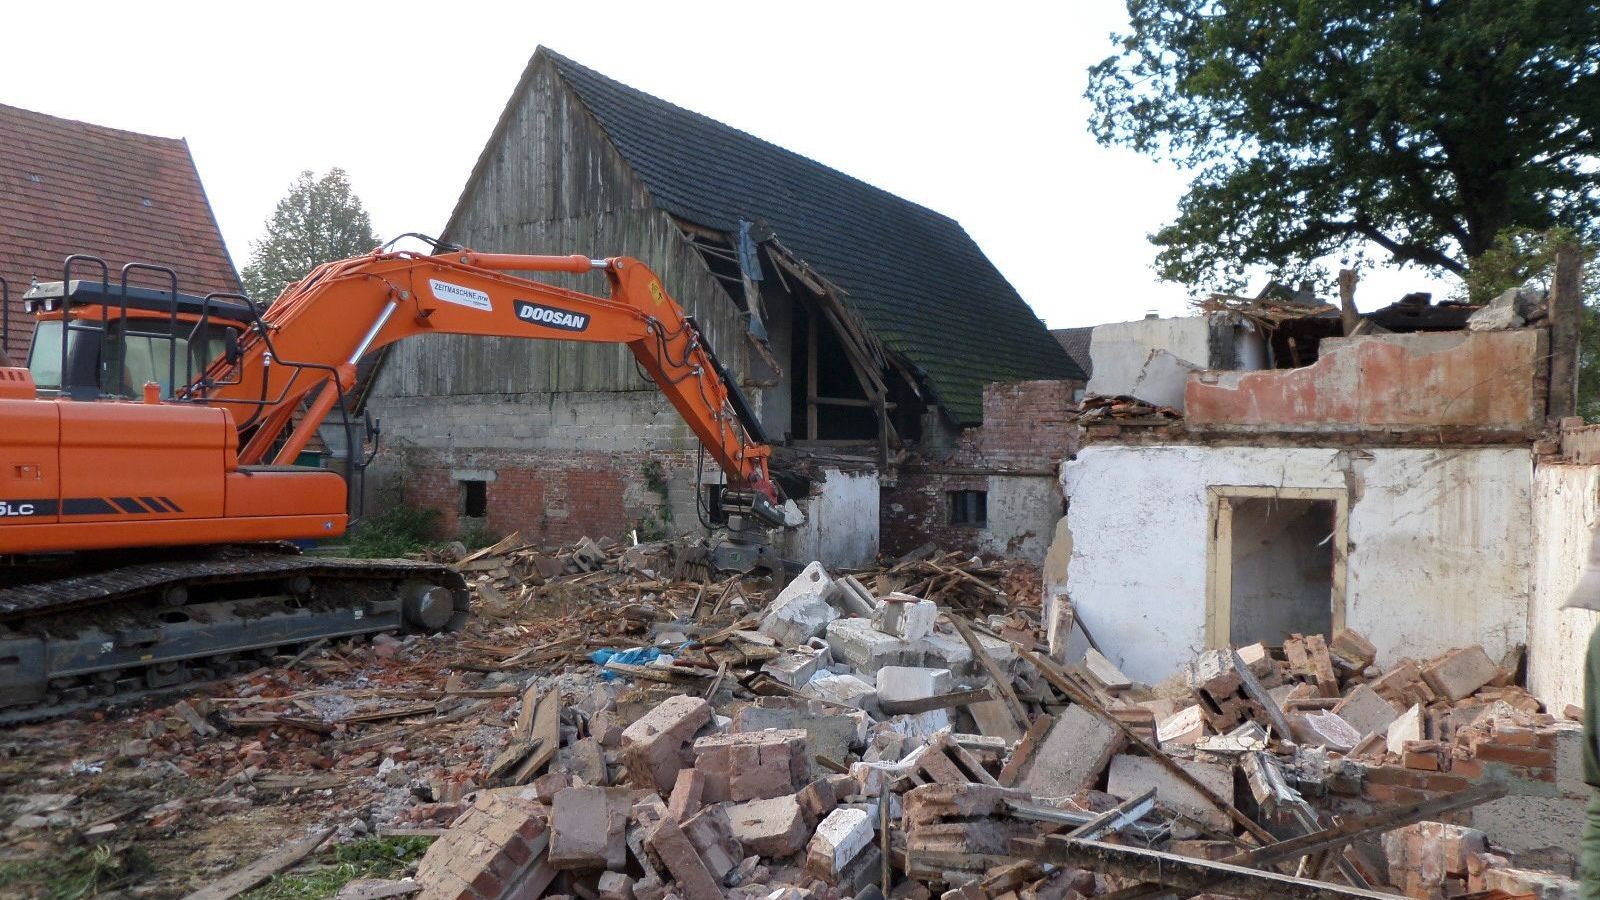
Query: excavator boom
point(310, 340)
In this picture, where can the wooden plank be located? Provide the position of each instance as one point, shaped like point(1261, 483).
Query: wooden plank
point(1566, 316)
point(937, 701)
point(1348, 317)
point(1255, 690)
point(520, 738)
point(1116, 818)
point(1185, 873)
point(546, 731)
point(1002, 681)
point(244, 879)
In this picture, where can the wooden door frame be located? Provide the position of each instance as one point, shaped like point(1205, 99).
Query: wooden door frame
point(1219, 551)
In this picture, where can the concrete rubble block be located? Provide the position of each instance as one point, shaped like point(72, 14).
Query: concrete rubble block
point(803, 609)
point(654, 743)
point(679, 857)
point(615, 886)
point(1071, 755)
point(587, 828)
point(865, 649)
point(1353, 649)
point(1324, 729)
point(794, 668)
point(752, 765)
point(1183, 728)
point(1105, 671)
point(948, 651)
point(774, 828)
point(586, 760)
point(831, 735)
point(1527, 883)
point(496, 846)
point(906, 617)
point(847, 689)
point(1426, 853)
point(912, 683)
point(1133, 775)
point(1407, 727)
point(712, 836)
point(1366, 710)
point(1459, 673)
point(839, 838)
point(816, 800)
point(686, 793)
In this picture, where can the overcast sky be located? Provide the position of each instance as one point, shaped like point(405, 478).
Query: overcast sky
point(975, 110)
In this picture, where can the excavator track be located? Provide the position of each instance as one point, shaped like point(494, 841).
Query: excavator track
point(85, 640)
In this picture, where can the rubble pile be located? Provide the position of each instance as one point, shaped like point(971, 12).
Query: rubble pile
point(619, 722)
point(843, 741)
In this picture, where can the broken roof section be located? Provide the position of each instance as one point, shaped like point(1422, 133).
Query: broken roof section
point(72, 187)
point(918, 280)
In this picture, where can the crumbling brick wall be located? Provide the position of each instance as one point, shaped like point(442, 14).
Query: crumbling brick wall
point(1012, 458)
point(555, 496)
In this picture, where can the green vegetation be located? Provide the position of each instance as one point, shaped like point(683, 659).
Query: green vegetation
point(371, 858)
point(655, 525)
point(318, 221)
point(84, 872)
point(398, 530)
point(478, 536)
point(1423, 130)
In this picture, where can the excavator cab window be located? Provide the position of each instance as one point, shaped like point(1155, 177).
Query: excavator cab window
point(124, 355)
point(142, 350)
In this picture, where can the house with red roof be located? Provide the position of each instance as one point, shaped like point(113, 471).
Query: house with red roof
point(71, 187)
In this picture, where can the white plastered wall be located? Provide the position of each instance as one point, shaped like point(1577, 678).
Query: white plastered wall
point(1566, 513)
point(1440, 549)
point(841, 527)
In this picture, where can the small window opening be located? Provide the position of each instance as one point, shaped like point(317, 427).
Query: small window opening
point(969, 508)
point(474, 499)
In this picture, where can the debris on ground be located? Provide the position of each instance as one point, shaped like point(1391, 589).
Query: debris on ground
point(622, 722)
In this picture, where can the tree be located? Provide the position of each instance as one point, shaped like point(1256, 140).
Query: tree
point(1424, 127)
point(318, 221)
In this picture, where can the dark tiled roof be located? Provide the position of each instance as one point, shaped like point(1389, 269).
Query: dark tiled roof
point(70, 187)
point(1076, 342)
point(916, 278)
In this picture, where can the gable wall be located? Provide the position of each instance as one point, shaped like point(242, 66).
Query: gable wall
point(560, 431)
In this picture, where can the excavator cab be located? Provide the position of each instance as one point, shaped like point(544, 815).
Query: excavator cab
point(92, 340)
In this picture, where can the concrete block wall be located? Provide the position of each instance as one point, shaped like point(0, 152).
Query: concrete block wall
point(558, 465)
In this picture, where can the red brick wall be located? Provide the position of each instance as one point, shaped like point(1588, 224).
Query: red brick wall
point(1027, 428)
point(549, 496)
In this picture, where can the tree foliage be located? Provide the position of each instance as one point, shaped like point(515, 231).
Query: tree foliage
point(1424, 127)
point(319, 220)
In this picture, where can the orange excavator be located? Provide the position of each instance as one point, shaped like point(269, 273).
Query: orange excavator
point(148, 491)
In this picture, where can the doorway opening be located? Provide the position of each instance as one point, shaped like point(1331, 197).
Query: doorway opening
point(1277, 560)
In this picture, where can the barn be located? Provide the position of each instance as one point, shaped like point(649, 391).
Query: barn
point(865, 328)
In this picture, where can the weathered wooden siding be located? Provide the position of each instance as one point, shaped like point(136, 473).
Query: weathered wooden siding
point(553, 184)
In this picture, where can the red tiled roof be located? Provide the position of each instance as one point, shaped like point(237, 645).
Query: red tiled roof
point(70, 187)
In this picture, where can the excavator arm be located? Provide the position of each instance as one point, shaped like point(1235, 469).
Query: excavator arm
point(293, 367)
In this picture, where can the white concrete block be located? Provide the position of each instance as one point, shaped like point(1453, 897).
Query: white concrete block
point(802, 609)
point(912, 682)
point(838, 839)
point(846, 689)
point(865, 649)
point(1406, 728)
